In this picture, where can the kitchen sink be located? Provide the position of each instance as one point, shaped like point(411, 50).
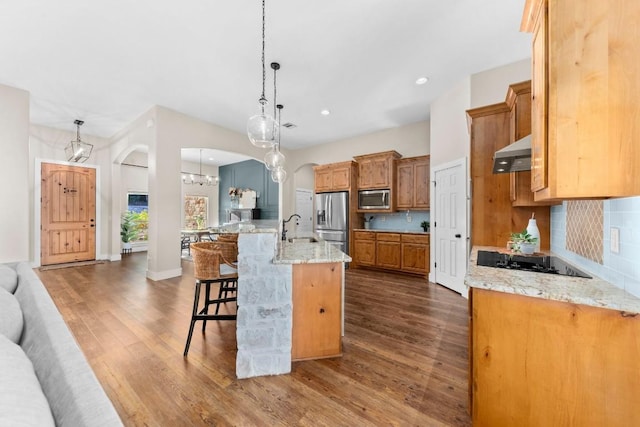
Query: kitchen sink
point(303, 240)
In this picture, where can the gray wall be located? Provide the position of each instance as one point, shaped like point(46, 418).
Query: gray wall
point(249, 174)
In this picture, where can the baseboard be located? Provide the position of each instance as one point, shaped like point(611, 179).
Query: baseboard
point(161, 275)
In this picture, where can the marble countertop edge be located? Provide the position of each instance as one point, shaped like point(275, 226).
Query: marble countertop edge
point(593, 292)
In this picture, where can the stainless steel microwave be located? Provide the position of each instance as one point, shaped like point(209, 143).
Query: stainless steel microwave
point(373, 199)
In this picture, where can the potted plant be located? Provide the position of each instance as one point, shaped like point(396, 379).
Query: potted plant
point(425, 226)
point(523, 242)
point(128, 229)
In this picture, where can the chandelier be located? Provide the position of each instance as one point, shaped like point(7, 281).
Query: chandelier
point(78, 151)
point(199, 178)
point(262, 129)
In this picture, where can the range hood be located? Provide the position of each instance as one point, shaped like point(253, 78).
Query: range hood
point(514, 157)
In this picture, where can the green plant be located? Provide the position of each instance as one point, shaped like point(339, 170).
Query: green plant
point(425, 225)
point(128, 227)
point(523, 237)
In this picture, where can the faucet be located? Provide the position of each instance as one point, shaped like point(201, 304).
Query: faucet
point(284, 230)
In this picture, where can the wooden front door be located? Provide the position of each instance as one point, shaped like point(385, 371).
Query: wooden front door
point(68, 212)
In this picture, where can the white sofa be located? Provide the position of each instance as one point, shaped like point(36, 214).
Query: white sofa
point(44, 377)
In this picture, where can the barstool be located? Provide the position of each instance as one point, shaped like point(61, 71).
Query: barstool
point(209, 263)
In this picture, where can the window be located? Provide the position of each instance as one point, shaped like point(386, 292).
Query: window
point(138, 205)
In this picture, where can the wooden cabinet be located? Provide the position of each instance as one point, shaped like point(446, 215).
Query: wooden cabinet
point(551, 363)
point(415, 253)
point(412, 190)
point(493, 217)
point(519, 102)
point(388, 250)
point(585, 88)
point(364, 248)
point(335, 176)
point(377, 170)
point(317, 311)
point(400, 252)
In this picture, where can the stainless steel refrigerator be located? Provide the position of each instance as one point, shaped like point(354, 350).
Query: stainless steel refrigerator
point(332, 218)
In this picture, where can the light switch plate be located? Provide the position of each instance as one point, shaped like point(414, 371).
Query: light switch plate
point(615, 240)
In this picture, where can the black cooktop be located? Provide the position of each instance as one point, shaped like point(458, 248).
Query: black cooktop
point(540, 264)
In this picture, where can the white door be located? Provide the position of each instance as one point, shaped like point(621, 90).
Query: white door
point(304, 208)
point(450, 231)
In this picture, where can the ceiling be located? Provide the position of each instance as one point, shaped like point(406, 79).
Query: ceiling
point(107, 62)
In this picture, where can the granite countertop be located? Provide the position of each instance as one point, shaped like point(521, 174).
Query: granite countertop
point(594, 292)
point(392, 231)
point(318, 252)
point(255, 226)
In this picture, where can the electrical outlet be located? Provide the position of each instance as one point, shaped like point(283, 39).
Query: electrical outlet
point(383, 218)
point(615, 240)
point(409, 218)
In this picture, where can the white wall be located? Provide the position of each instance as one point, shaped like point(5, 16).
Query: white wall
point(488, 87)
point(16, 183)
point(449, 135)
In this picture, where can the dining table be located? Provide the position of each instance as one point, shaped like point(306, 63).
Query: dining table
point(199, 232)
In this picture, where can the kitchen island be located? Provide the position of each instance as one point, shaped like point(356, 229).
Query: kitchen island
point(551, 350)
point(290, 299)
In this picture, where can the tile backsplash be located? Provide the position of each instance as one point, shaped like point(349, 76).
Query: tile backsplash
point(585, 219)
point(401, 221)
point(622, 268)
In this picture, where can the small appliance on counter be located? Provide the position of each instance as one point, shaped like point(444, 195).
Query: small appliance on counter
point(540, 264)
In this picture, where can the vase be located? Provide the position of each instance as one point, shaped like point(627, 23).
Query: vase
point(366, 225)
point(532, 229)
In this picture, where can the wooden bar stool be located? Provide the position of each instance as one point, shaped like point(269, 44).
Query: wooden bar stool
point(211, 266)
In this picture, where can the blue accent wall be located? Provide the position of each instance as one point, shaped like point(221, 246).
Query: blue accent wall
point(249, 174)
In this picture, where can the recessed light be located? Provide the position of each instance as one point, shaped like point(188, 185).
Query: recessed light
point(325, 112)
point(422, 80)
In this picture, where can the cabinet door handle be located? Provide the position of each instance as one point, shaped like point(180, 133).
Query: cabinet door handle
point(321, 310)
point(458, 236)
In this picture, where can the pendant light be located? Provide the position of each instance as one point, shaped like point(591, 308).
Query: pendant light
point(278, 174)
point(274, 158)
point(78, 151)
point(262, 128)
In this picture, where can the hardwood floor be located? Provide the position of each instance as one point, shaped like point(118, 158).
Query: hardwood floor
point(404, 363)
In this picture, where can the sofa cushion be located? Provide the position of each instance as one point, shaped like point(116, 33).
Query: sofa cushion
point(22, 402)
point(8, 278)
point(11, 320)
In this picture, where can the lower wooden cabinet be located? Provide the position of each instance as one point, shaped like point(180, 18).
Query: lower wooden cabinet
point(364, 248)
point(538, 362)
point(388, 250)
point(400, 252)
point(317, 311)
point(415, 253)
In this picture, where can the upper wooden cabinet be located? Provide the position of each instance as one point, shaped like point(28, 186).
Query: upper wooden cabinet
point(493, 217)
point(413, 183)
point(519, 103)
point(586, 82)
point(335, 176)
point(377, 170)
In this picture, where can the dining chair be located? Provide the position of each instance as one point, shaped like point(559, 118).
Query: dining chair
point(212, 264)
